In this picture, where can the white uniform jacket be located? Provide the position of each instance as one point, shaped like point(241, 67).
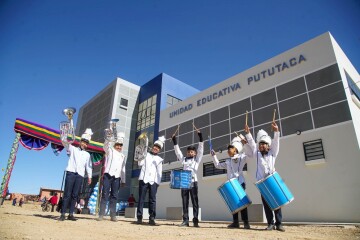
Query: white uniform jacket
point(151, 169)
point(79, 160)
point(191, 164)
point(115, 163)
point(234, 166)
point(265, 164)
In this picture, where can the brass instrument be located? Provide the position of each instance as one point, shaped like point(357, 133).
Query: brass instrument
point(141, 149)
point(110, 134)
point(67, 127)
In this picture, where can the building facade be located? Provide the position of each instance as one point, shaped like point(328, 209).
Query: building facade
point(315, 92)
point(138, 110)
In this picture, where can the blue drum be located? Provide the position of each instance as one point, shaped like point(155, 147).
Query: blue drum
point(180, 179)
point(274, 191)
point(234, 195)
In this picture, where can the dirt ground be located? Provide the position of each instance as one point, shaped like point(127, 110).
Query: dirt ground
point(29, 222)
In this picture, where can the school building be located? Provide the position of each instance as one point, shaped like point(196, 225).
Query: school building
point(138, 110)
point(315, 91)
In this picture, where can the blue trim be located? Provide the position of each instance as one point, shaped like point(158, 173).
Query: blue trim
point(163, 85)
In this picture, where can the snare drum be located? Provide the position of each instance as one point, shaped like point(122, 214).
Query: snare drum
point(234, 195)
point(274, 191)
point(180, 179)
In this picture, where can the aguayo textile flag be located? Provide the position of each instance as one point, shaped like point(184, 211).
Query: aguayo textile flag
point(37, 137)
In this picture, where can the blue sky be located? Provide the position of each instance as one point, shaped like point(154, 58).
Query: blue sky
point(55, 54)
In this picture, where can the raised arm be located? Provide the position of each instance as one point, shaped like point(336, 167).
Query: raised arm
point(250, 147)
point(217, 164)
point(200, 149)
point(276, 141)
point(178, 152)
point(107, 146)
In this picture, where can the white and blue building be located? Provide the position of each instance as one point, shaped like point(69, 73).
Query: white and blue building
point(315, 91)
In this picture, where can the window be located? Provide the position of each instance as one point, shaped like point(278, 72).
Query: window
point(123, 103)
point(166, 176)
point(147, 112)
point(314, 150)
point(210, 170)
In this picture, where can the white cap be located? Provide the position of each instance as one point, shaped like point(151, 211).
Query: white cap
point(236, 142)
point(160, 142)
point(87, 135)
point(262, 136)
point(120, 138)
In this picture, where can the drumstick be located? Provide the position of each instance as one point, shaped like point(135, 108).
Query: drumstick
point(246, 118)
point(195, 127)
point(274, 115)
point(176, 130)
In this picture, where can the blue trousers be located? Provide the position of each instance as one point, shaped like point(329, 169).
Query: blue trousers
point(71, 192)
point(111, 186)
point(244, 212)
point(194, 199)
point(143, 187)
point(269, 214)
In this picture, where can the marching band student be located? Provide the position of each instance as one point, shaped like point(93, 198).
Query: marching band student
point(149, 178)
point(190, 162)
point(79, 161)
point(114, 175)
point(234, 168)
point(265, 156)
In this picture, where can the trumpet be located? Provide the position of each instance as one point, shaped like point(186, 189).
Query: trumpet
point(67, 127)
point(141, 149)
point(142, 136)
point(110, 134)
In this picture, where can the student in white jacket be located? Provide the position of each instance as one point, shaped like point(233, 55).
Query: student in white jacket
point(238, 152)
point(191, 162)
point(149, 178)
point(265, 156)
point(79, 161)
point(114, 176)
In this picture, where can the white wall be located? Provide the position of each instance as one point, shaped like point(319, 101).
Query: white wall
point(354, 104)
point(327, 192)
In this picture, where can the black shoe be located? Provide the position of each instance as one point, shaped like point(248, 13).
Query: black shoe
point(184, 224)
point(196, 222)
point(71, 217)
point(62, 218)
point(139, 221)
point(113, 219)
point(280, 228)
point(270, 227)
point(100, 218)
point(234, 225)
point(246, 225)
point(152, 222)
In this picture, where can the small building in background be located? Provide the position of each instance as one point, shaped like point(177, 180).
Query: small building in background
point(48, 193)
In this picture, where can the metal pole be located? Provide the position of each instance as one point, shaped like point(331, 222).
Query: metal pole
point(10, 166)
point(62, 183)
